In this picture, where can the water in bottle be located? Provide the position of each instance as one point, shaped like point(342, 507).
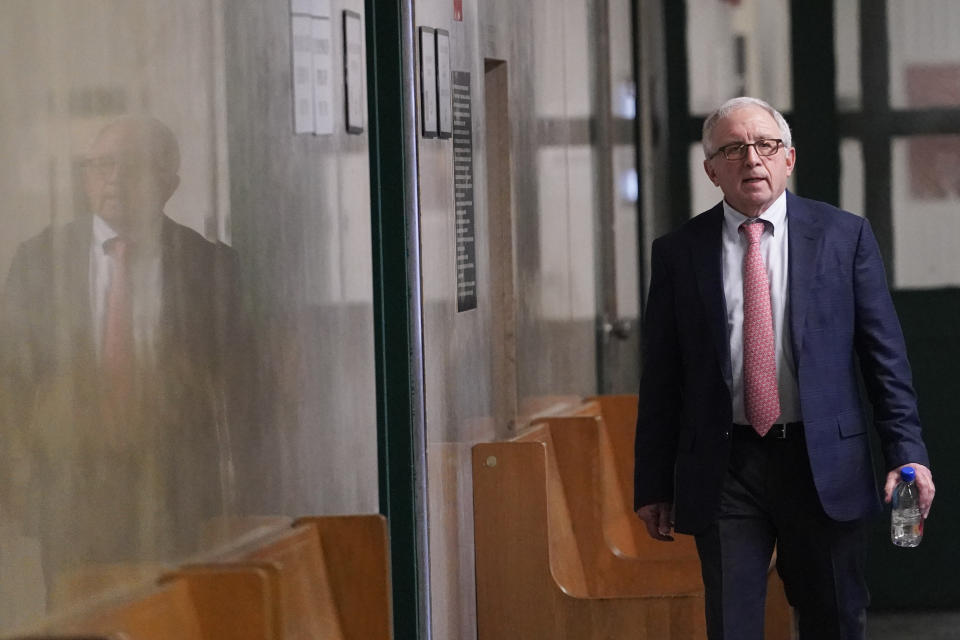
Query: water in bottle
point(906, 523)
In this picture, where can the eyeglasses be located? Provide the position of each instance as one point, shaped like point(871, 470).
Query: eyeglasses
point(102, 167)
point(738, 150)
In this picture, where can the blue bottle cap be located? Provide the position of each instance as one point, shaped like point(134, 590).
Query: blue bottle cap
point(907, 474)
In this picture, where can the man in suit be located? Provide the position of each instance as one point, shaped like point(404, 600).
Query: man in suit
point(762, 315)
point(118, 333)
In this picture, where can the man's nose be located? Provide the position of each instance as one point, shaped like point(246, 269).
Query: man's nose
point(110, 171)
point(752, 157)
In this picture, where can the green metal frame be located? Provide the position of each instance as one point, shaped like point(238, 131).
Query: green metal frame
point(392, 326)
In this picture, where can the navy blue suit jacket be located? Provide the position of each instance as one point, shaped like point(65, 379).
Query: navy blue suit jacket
point(842, 319)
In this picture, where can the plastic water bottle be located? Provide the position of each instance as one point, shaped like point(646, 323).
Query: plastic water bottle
point(906, 523)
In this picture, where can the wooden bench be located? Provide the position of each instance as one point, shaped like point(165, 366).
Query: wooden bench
point(197, 603)
point(322, 578)
point(626, 534)
point(543, 569)
point(333, 575)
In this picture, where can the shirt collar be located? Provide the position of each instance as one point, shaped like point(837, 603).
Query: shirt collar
point(102, 232)
point(146, 241)
point(776, 215)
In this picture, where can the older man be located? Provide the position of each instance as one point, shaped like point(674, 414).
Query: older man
point(118, 334)
point(751, 432)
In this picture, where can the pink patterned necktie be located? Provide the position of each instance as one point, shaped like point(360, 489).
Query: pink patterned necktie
point(760, 396)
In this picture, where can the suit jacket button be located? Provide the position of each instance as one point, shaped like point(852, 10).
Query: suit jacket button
point(726, 434)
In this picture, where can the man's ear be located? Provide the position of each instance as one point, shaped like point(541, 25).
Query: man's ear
point(711, 173)
point(791, 159)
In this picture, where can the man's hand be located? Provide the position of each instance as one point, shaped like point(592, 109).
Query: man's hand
point(657, 518)
point(924, 481)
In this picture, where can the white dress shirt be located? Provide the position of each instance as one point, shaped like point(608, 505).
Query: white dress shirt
point(774, 249)
point(145, 285)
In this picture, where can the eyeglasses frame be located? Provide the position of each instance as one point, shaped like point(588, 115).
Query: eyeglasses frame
point(727, 147)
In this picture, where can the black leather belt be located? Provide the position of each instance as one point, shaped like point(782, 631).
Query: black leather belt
point(783, 431)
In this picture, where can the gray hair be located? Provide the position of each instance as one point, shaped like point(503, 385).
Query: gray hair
point(734, 104)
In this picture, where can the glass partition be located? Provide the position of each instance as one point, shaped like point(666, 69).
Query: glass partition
point(186, 339)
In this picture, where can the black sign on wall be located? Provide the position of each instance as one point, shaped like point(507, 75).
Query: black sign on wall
point(463, 192)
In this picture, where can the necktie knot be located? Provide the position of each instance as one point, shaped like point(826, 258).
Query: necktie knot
point(118, 248)
point(753, 231)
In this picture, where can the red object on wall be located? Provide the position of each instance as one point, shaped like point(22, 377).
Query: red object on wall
point(458, 10)
point(934, 160)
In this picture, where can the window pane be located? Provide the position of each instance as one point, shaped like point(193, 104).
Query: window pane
point(926, 211)
point(924, 53)
point(738, 48)
point(851, 175)
point(703, 194)
point(847, 50)
point(625, 235)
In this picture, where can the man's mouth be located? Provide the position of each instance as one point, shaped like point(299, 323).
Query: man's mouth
point(753, 180)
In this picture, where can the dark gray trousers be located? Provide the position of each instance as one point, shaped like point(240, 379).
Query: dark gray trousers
point(768, 500)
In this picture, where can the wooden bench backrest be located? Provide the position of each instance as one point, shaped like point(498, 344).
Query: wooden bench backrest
point(334, 577)
point(325, 578)
point(511, 542)
point(623, 531)
point(575, 491)
point(526, 517)
point(356, 553)
point(199, 603)
point(167, 612)
point(306, 601)
point(565, 559)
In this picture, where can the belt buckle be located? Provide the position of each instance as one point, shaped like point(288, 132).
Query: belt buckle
point(781, 432)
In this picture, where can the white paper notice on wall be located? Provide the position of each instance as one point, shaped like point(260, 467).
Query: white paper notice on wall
point(301, 39)
point(313, 8)
point(428, 82)
point(444, 108)
point(322, 33)
point(353, 75)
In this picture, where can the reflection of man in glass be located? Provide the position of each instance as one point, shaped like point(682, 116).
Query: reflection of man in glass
point(115, 330)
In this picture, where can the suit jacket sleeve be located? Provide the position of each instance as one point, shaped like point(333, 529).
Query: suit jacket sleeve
point(883, 358)
point(655, 446)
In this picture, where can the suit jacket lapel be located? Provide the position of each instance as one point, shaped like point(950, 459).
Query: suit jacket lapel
point(173, 284)
point(804, 257)
point(707, 259)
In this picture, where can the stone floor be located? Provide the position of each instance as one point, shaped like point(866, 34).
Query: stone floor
point(905, 625)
